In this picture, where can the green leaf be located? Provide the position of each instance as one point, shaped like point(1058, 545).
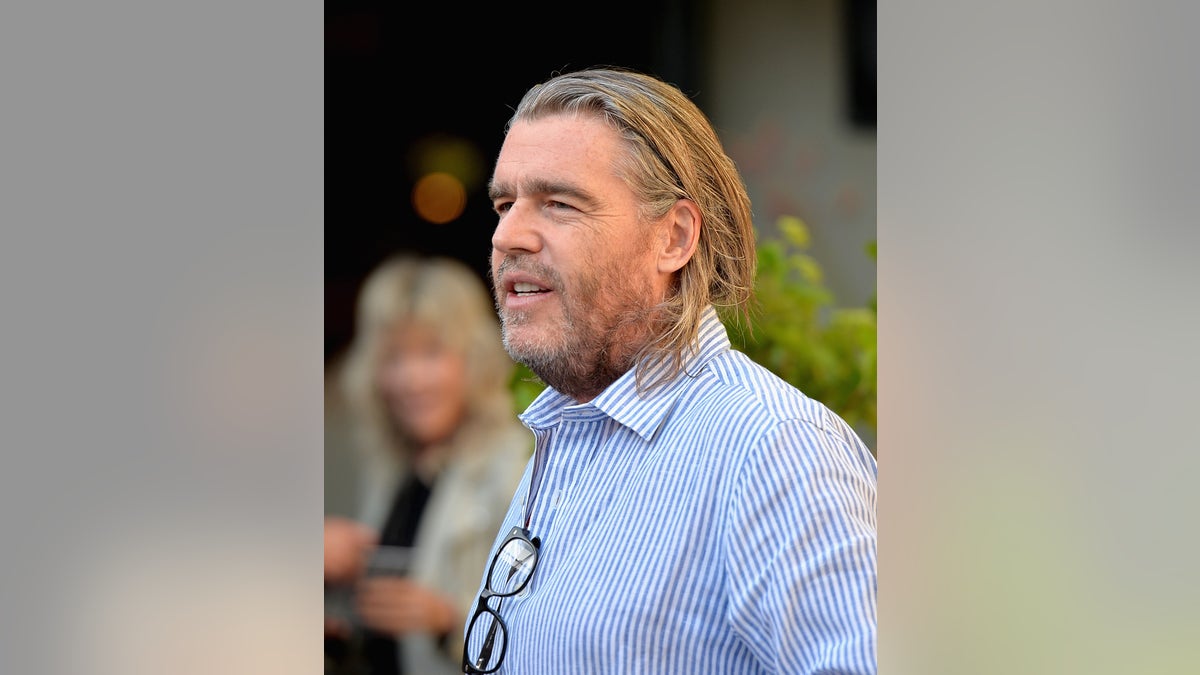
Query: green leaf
point(794, 231)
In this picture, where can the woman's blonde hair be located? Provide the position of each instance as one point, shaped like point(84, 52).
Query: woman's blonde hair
point(446, 297)
point(674, 153)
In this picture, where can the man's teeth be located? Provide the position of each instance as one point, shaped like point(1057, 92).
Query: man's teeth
point(522, 287)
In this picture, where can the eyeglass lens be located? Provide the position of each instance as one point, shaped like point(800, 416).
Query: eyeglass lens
point(512, 567)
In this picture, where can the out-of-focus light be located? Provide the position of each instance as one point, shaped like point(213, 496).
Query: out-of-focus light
point(439, 197)
point(443, 152)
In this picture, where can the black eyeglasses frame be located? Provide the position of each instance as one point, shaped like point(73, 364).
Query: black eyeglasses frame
point(517, 533)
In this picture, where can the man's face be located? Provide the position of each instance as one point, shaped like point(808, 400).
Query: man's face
point(574, 267)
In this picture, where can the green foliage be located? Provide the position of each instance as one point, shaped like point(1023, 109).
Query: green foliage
point(525, 387)
point(796, 331)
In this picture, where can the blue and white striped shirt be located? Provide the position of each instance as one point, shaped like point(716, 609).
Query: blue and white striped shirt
point(723, 524)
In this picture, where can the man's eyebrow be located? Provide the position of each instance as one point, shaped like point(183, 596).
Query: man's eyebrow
point(497, 190)
point(540, 186)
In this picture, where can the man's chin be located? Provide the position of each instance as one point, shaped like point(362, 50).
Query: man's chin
point(537, 359)
point(535, 342)
point(524, 354)
point(526, 335)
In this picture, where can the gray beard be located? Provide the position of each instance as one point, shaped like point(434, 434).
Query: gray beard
point(598, 346)
point(581, 367)
point(590, 358)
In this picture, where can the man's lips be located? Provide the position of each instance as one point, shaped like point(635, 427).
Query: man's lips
point(522, 289)
point(522, 283)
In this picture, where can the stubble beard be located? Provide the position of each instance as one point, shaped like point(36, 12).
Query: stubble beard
point(604, 324)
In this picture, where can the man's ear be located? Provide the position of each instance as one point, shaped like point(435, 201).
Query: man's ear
point(682, 225)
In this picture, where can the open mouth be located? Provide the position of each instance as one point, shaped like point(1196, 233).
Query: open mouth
point(524, 289)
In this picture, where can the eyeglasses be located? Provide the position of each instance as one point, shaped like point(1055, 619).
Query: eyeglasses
point(509, 573)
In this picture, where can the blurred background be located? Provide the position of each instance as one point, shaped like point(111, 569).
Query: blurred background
point(416, 100)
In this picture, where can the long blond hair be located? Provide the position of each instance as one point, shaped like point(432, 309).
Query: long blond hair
point(445, 296)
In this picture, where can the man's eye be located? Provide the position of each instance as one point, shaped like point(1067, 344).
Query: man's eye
point(501, 207)
point(553, 204)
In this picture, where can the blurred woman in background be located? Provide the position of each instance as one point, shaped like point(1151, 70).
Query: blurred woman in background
point(426, 383)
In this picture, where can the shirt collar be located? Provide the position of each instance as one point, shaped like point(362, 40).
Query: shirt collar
point(642, 413)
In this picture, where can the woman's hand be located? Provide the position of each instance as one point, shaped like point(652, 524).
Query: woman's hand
point(398, 605)
point(347, 545)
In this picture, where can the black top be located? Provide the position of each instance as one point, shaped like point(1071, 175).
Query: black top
point(380, 652)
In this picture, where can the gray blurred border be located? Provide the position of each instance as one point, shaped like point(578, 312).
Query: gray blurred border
point(160, 272)
point(1038, 222)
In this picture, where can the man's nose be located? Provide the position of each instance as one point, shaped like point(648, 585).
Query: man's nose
point(517, 230)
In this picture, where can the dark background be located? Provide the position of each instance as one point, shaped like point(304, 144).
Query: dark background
point(392, 77)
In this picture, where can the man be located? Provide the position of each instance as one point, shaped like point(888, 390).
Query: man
point(685, 511)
